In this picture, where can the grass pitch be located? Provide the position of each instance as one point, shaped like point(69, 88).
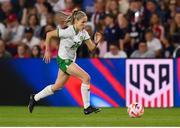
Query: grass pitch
point(73, 116)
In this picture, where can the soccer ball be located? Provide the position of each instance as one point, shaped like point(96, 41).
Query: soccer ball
point(135, 110)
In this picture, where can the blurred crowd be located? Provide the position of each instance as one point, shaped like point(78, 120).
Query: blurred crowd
point(131, 28)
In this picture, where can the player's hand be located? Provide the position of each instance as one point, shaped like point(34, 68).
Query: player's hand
point(98, 37)
point(47, 57)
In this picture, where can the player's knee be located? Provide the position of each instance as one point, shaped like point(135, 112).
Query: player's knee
point(86, 79)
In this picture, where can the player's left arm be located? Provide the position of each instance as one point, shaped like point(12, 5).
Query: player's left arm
point(97, 38)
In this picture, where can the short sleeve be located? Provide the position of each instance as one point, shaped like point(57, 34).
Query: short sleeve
point(86, 35)
point(67, 32)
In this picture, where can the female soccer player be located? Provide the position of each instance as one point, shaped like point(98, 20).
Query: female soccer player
point(71, 38)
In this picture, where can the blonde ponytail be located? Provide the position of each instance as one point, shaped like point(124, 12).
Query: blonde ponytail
point(77, 14)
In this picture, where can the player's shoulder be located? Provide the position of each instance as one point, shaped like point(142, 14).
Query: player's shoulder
point(70, 28)
point(84, 32)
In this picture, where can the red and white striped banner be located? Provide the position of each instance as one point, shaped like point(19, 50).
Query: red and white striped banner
point(149, 82)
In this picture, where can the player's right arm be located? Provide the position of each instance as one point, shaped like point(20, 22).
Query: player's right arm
point(49, 35)
point(62, 33)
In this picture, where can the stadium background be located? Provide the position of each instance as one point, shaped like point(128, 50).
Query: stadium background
point(125, 24)
point(148, 30)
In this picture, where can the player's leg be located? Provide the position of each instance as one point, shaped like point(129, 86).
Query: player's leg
point(75, 70)
point(48, 90)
